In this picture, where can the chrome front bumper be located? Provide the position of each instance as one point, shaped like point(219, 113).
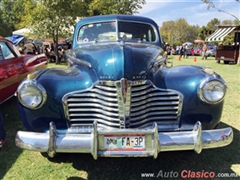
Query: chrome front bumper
point(93, 143)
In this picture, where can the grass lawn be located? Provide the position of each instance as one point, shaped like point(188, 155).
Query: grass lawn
point(19, 164)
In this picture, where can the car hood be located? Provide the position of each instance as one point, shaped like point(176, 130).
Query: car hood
point(113, 61)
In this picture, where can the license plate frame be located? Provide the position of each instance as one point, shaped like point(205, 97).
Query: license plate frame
point(124, 142)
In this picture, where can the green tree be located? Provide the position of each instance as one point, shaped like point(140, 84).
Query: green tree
point(236, 22)
point(99, 7)
point(201, 33)
point(178, 32)
point(167, 31)
point(52, 18)
point(213, 24)
point(3, 31)
point(11, 12)
point(193, 32)
point(227, 23)
point(181, 29)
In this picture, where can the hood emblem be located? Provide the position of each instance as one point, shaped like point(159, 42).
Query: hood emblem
point(124, 89)
point(124, 102)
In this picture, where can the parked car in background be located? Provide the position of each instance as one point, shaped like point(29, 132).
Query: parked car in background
point(16, 39)
point(211, 52)
point(14, 67)
point(63, 47)
point(119, 97)
point(2, 132)
point(174, 52)
point(197, 51)
point(189, 52)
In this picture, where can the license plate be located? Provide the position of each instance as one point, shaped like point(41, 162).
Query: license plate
point(222, 57)
point(132, 142)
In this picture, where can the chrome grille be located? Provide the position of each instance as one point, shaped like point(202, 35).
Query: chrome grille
point(103, 103)
point(150, 104)
point(98, 103)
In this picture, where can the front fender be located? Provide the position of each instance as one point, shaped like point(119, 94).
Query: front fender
point(186, 79)
point(57, 82)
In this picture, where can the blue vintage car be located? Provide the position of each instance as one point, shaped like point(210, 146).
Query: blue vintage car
point(119, 98)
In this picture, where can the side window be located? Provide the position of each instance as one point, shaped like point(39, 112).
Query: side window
point(6, 53)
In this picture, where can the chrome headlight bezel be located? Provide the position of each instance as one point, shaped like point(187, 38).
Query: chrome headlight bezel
point(212, 91)
point(36, 91)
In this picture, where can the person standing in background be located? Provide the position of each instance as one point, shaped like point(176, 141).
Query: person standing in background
point(185, 50)
point(181, 51)
point(29, 48)
point(204, 50)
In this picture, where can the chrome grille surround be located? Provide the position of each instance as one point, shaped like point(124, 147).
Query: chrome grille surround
point(123, 104)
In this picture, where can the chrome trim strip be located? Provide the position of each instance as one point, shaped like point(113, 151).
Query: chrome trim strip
point(145, 110)
point(93, 105)
point(78, 61)
point(100, 118)
point(93, 143)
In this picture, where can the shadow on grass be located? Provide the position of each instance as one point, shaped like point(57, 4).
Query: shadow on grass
point(9, 152)
point(217, 160)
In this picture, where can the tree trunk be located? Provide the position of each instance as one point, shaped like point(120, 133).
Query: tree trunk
point(238, 62)
point(56, 52)
point(56, 55)
point(55, 46)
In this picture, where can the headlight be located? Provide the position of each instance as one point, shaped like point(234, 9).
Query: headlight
point(212, 91)
point(31, 95)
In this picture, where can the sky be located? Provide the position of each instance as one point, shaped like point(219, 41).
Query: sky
point(195, 12)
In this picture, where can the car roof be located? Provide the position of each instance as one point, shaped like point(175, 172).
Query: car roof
point(104, 18)
point(116, 17)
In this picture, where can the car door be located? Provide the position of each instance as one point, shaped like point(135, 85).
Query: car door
point(9, 62)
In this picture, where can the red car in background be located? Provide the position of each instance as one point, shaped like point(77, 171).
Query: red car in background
point(14, 67)
point(197, 51)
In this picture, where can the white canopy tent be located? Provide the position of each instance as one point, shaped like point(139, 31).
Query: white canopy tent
point(23, 31)
point(220, 33)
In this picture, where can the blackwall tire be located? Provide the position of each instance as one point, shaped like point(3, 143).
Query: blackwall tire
point(226, 62)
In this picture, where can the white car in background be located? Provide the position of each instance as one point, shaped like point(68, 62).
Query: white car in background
point(211, 52)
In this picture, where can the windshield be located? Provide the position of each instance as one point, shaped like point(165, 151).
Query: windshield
point(110, 31)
